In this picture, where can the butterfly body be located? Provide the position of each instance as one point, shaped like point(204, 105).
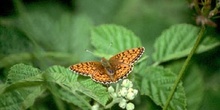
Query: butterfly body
point(108, 67)
point(110, 71)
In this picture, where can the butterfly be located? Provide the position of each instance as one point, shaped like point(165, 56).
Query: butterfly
point(110, 71)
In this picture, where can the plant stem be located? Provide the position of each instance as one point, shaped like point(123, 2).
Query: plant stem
point(117, 88)
point(114, 101)
point(185, 65)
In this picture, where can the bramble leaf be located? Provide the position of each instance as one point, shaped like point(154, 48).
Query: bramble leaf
point(120, 37)
point(24, 84)
point(157, 83)
point(177, 41)
point(81, 91)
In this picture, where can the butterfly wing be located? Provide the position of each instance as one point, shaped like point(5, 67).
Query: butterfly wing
point(122, 71)
point(128, 57)
point(123, 62)
point(93, 69)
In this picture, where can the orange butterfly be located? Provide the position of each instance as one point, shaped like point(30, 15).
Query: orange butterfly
point(110, 71)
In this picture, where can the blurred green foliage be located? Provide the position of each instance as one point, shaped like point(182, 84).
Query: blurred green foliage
point(46, 33)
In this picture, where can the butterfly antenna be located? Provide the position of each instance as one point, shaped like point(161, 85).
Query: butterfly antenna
point(107, 50)
point(89, 52)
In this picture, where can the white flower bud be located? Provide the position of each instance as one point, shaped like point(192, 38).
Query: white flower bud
point(135, 92)
point(123, 92)
point(131, 93)
point(95, 106)
point(130, 106)
point(122, 103)
point(127, 83)
point(130, 96)
point(114, 95)
point(111, 89)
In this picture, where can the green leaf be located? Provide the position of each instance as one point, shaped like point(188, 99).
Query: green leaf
point(14, 47)
point(63, 32)
point(78, 90)
point(21, 98)
point(94, 90)
point(67, 33)
point(23, 73)
point(23, 86)
point(70, 96)
point(3, 87)
point(75, 99)
point(120, 37)
point(67, 82)
point(207, 44)
point(60, 75)
point(177, 41)
point(193, 83)
point(157, 83)
point(13, 42)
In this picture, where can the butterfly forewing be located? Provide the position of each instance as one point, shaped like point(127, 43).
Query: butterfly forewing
point(128, 56)
point(123, 62)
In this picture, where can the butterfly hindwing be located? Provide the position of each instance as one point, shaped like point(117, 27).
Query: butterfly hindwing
point(93, 69)
point(122, 71)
